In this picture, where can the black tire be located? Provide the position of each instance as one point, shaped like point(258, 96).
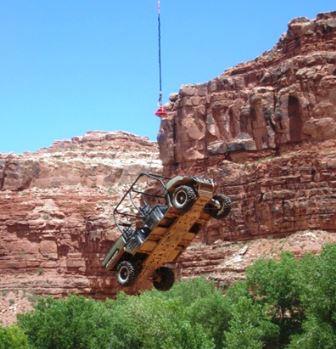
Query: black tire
point(163, 278)
point(125, 273)
point(183, 197)
point(222, 209)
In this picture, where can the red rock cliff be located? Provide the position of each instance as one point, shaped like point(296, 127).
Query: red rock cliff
point(56, 211)
point(266, 131)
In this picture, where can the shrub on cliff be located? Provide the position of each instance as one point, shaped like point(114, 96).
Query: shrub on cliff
point(13, 338)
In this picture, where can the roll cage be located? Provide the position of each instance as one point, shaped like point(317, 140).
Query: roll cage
point(133, 205)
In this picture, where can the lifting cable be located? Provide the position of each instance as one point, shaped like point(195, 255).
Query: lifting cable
point(161, 112)
point(159, 46)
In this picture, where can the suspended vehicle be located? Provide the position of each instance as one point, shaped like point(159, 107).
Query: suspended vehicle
point(158, 218)
point(157, 223)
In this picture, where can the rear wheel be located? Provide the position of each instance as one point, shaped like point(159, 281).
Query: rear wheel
point(183, 197)
point(163, 278)
point(125, 273)
point(219, 206)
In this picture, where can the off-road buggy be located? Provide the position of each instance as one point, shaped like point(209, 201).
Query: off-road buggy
point(157, 222)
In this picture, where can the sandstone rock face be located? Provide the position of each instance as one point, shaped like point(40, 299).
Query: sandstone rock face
point(286, 96)
point(275, 195)
point(225, 261)
point(56, 212)
point(265, 130)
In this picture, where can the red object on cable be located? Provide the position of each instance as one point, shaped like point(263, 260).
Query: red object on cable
point(161, 112)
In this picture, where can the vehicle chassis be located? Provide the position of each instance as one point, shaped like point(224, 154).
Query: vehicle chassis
point(153, 236)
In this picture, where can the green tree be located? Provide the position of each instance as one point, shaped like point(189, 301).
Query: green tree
point(155, 321)
point(203, 304)
point(318, 284)
point(318, 295)
point(73, 322)
point(316, 335)
point(286, 303)
point(13, 337)
point(276, 285)
point(250, 326)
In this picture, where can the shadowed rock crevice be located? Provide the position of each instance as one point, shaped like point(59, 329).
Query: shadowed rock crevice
point(295, 119)
point(2, 173)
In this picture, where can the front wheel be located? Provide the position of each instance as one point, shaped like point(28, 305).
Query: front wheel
point(219, 206)
point(125, 273)
point(163, 278)
point(183, 197)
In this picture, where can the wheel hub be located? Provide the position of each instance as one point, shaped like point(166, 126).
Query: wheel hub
point(181, 197)
point(123, 273)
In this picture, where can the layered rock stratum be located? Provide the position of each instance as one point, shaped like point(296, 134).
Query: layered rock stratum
point(56, 219)
point(264, 130)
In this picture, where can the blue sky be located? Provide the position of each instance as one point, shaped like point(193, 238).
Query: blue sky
point(70, 66)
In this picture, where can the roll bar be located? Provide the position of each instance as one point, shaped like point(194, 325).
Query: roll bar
point(118, 215)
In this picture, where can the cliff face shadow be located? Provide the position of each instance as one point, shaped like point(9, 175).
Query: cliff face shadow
point(295, 119)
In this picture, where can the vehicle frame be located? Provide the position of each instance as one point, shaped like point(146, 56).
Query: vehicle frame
point(153, 237)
